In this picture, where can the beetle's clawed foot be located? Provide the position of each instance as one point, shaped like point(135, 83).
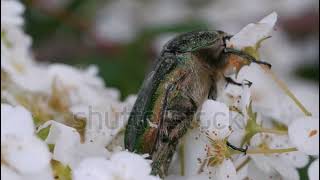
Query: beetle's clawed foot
point(247, 83)
point(226, 38)
point(244, 150)
point(264, 63)
point(246, 56)
point(231, 81)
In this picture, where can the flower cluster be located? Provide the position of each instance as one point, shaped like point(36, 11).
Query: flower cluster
point(61, 122)
point(241, 136)
point(58, 121)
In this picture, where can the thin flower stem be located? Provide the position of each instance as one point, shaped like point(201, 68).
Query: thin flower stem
point(285, 88)
point(245, 162)
point(273, 131)
point(270, 151)
point(181, 154)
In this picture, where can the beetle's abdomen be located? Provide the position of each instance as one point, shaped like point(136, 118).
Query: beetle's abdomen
point(156, 110)
point(178, 94)
point(144, 107)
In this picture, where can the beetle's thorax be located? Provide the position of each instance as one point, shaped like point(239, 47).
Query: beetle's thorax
point(211, 55)
point(204, 77)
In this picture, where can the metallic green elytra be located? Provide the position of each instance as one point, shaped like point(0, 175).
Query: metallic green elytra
point(184, 76)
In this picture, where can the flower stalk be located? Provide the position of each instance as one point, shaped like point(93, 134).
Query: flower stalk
point(286, 90)
point(270, 151)
point(273, 131)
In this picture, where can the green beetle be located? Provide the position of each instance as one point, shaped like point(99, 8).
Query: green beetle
point(184, 76)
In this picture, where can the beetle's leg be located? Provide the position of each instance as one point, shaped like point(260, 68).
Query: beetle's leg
point(227, 38)
point(246, 56)
point(247, 83)
point(224, 39)
point(244, 150)
point(231, 81)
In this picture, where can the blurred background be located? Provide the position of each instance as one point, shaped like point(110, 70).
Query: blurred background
point(123, 37)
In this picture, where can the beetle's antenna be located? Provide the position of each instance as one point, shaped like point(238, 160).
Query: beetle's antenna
point(246, 56)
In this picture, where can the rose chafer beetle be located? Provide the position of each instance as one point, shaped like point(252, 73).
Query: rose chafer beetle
point(184, 76)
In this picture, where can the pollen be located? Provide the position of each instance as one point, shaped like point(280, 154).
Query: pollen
point(313, 132)
point(217, 152)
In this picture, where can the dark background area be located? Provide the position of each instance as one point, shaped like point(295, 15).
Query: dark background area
point(63, 31)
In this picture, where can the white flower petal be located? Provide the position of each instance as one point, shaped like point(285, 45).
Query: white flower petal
point(297, 159)
point(262, 163)
point(27, 155)
point(9, 174)
point(73, 77)
point(304, 134)
point(93, 168)
point(195, 177)
point(11, 13)
point(132, 164)
point(43, 174)
point(285, 169)
point(255, 173)
point(226, 171)
point(65, 140)
point(214, 119)
point(16, 121)
point(313, 171)
point(236, 137)
point(122, 165)
point(194, 151)
point(245, 98)
point(252, 33)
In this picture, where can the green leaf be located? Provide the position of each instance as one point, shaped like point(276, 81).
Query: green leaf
point(44, 132)
point(60, 171)
point(252, 127)
point(51, 147)
point(254, 50)
point(5, 39)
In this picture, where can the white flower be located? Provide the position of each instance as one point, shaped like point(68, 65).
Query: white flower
point(194, 151)
point(304, 134)
point(236, 96)
point(75, 78)
point(118, 22)
point(165, 12)
point(277, 164)
point(273, 166)
point(93, 168)
point(254, 173)
point(122, 165)
point(7, 173)
point(253, 33)
point(209, 144)
point(67, 146)
point(19, 145)
point(297, 159)
point(313, 170)
point(224, 171)
point(16, 121)
point(21, 152)
point(215, 120)
point(11, 13)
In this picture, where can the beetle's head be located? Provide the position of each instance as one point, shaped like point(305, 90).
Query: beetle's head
point(233, 60)
point(211, 48)
point(227, 59)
